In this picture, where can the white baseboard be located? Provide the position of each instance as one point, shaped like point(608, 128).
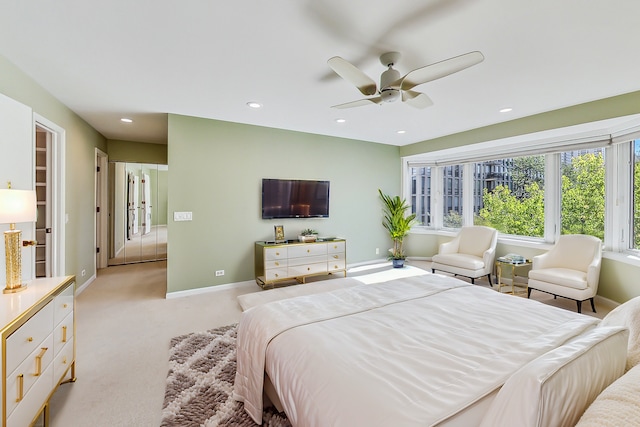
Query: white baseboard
point(208, 289)
point(86, 284)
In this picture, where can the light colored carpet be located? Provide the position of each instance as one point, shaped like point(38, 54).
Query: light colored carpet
point(202, 368)
point(124, 327)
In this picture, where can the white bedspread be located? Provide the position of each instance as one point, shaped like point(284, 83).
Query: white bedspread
point(407, 352)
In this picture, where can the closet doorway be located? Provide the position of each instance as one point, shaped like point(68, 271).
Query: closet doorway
point(138, 212)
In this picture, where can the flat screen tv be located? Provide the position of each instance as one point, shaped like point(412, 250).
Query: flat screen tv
point(294, 198)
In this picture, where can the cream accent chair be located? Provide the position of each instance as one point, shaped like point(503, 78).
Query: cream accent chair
point(470, 254)
point(571, 269)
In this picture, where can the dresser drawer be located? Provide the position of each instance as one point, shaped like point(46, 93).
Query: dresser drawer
point(271, 254)
point(27, 409)
point(336, 257)
point(293, 262)
point(63, 304)
point(23, 379)
point(279, 263)
point(335, 247)
point(62, 361)
point(27, 338)
point(338, 265)
point(63, 333)
point(303, 270)
point(275, 274)
point(307, 250)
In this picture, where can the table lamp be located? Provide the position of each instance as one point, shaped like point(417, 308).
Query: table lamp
point(16, 206)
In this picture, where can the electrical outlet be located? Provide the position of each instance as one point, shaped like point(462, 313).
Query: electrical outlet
point(84, 273)
point(377, 251)
point(219, 273)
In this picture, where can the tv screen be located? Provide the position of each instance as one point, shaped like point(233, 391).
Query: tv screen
point(294, 198)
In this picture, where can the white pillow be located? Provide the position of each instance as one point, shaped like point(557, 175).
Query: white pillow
point(556, 388)
point(627, 315)
point(618, 405)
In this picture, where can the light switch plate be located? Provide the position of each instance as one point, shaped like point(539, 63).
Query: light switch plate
point(182, 216)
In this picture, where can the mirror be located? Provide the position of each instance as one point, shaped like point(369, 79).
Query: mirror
point(137, 212)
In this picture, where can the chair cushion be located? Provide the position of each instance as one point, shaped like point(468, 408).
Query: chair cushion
point(561, 276)
point(469, 262)
point(475, 240)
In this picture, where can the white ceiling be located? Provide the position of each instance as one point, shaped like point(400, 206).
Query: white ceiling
point(206, 58)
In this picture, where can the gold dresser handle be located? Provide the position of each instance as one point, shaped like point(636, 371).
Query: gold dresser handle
point(64, 333)
point(308, 250)
point(20, 387)
point(335, 256)
point(65, 305)
point(277, 263)
point(30, 339)
point(43, 350)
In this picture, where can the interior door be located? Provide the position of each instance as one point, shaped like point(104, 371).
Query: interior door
point(17, 166)
point(146, 204)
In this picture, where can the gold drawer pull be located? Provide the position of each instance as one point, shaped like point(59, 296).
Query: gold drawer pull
point(43, 350)
point(277, 253)
point(65, 305)
point(30, 339)
point(276, 275)
point(308, 250)
point(335, 256)
point(64, 360)
point(20, 387)
point(335, 266)
point(335, 246)
point(64, 334)
point(308, 268)
point(277, 263)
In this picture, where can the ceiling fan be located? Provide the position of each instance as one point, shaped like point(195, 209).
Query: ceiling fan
point(392, 85)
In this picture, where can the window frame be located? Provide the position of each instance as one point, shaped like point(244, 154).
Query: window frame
point(618, 151)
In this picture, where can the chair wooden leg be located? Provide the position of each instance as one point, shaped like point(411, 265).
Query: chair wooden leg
point(528, 292)
point(579, 306)
point(433, 270)
point(490, 282)
point(473, 281)
point(593, 305)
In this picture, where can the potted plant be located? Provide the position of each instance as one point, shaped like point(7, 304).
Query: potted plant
point(398, 224)
point(308, 235)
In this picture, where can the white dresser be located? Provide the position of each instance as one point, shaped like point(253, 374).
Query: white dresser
point(38, 347)
point(279, 262)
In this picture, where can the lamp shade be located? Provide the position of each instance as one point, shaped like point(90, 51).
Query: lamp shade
point(17, 206)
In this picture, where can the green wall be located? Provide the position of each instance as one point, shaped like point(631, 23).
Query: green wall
point(81, 141)
point(215, 171)
point(136, 152)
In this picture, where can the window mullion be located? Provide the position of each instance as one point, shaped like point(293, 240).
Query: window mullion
point(552, 197)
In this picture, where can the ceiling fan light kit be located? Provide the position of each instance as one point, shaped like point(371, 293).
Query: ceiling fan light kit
point(393, 85)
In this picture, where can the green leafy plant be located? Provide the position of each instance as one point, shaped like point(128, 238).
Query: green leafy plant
point(308, 232)
point(397, 222)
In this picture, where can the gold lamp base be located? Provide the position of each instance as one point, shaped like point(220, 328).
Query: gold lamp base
point(14, 260)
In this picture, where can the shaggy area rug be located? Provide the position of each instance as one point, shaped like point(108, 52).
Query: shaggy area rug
point(202, 368)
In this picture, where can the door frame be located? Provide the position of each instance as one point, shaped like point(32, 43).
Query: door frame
point(58, 214)
point(101, 226)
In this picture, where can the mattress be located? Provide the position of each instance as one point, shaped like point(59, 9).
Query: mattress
point(422, 350)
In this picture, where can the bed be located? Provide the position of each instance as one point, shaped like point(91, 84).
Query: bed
point(414, 351)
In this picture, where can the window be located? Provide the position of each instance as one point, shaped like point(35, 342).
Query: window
point(510, 195)
point(421, 194)
point(635, 242)
point(583, 203)
point(452, 196)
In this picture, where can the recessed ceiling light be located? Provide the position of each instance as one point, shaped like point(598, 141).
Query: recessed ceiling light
point(253, 104)
point(506, 110)
point(340, 120)
point(126, 120)
point(401, 131)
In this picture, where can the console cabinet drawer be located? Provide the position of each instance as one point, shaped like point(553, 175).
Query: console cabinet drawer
point(271, 254)
point(27, 338)
point(63, 333)
point(303, 270)
point(308, 250)
point(336, 247)
point(63, 305)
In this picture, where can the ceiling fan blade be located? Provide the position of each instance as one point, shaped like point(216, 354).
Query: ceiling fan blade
point(353, 75)
point(440, 69)
point(416, 99)
point(360, 103)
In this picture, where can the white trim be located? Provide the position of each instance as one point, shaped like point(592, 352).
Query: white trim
point(101, 160)
point(58, 211)
point(85, 285)
point(209, 289)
